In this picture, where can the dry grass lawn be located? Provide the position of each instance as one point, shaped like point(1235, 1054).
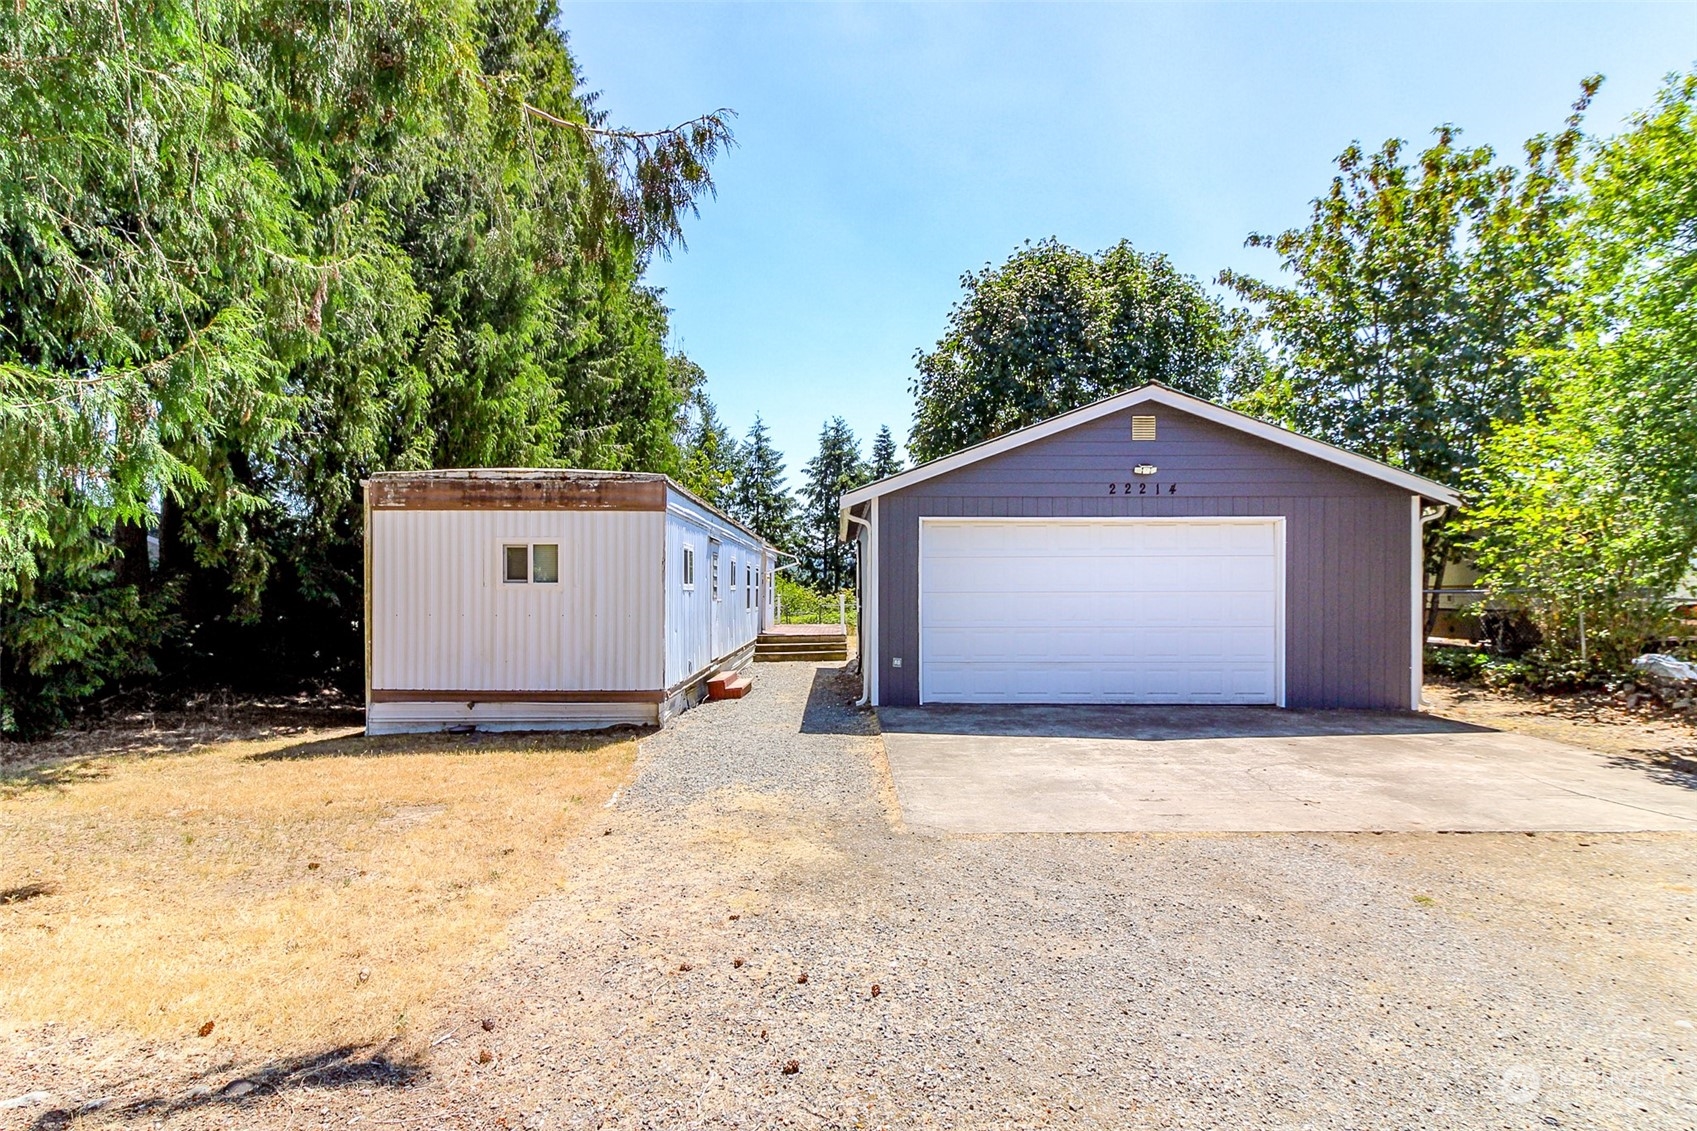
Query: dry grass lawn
point(296, 892)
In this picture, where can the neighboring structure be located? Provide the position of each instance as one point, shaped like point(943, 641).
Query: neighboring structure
point(527, 600)
point(1148, 548)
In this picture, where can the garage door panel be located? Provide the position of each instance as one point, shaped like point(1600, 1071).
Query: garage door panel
point(1092, 682)
point(1105, 611)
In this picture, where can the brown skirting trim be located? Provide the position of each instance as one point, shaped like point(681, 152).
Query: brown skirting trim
point(394, 695)
point(538, 494)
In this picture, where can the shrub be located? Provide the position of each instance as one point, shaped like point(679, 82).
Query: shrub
point(1464, 664)
point(66, 643)
point(800, 605)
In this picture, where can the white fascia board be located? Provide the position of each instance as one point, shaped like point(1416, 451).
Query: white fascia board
point(1157, 394)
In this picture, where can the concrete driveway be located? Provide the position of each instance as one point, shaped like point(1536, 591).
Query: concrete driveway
point(970, 769)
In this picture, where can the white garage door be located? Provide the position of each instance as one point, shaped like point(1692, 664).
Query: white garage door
point(1100, 611)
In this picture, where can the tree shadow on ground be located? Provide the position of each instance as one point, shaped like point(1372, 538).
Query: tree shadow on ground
point(442, 742)
point(1661, 766)
point(830, 705)
point(79, 755)
point(343, 1067)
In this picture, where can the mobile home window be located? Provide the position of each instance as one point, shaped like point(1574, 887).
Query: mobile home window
point(748, 587)
point(689, 567)
point(733, 575)
point(518, 563)
point(537, 562)
point(545, 562)
point(715, 575)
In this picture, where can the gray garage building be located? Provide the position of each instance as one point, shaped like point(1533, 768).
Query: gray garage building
point(1148, 548)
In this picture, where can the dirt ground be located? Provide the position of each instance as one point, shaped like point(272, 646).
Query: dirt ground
point(1593, 720)
point(1324, 981)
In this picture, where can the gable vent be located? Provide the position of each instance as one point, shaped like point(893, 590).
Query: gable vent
point(1143, 428)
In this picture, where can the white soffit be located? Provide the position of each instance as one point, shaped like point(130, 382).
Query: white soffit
point(1158, 394)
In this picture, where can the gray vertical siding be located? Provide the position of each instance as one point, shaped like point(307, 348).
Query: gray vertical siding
point(1348, 599)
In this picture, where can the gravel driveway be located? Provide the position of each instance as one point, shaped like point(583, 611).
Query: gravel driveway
point(753, 906)
point(1112, 981)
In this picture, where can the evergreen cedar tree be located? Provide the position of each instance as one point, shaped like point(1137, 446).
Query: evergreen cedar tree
point(884, 461)
point(711, 461)
point(254, 253)
point(827, 564)
point(759, 498)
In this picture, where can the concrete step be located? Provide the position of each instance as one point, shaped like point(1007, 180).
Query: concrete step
point(729, 685)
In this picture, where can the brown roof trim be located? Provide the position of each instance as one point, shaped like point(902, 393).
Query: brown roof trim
point(397, 695)
point(535, 489)
point(534, 492)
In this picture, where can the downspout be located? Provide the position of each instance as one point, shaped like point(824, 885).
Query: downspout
point(860, 621)
point(1422, 624)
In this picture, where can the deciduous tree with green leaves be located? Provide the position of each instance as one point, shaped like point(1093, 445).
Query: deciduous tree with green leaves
point(1053, 329)
point(1586, 511)
point(1414, 299)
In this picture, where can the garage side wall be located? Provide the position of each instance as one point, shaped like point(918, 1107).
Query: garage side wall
point(1348, 599)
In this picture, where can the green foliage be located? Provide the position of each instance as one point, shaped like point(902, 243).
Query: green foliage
point(1415, 291)
point(827, 564)
point(1053, 329)
point(1462, 664)
point(758, 497)
point(711, 461)
point(798, 604)
point(251, 252)
point(67, 644)
point(885, 460)
point(1587, 509)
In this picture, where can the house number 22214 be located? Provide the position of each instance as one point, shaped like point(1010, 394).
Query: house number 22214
point(1143, 488)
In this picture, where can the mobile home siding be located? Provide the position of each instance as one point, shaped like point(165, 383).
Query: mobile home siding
point(1348, 602)
point(701, 632)
point(443, 619)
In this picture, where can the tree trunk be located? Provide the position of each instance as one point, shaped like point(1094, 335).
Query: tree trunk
point(133, 566)
point(173, 551)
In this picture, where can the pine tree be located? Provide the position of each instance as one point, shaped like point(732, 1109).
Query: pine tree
point(885, 461)
point(712, 460)
point(827, 563)
point(758, 497)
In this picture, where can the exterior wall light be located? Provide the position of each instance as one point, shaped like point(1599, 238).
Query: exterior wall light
point(1145, 469)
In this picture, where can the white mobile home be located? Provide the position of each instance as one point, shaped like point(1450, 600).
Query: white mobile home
point(542, 599)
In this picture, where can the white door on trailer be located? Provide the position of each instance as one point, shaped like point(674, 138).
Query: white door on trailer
point(1101, 610)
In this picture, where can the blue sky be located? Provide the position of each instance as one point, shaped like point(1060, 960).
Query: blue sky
point(883, 150)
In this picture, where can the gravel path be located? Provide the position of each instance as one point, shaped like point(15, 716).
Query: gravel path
point(1311, 981)
point(1326, 981)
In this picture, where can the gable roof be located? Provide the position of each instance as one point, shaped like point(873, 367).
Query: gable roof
point(1172, 398)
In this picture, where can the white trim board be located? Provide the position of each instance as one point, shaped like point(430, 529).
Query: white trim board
point(1155, 394)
